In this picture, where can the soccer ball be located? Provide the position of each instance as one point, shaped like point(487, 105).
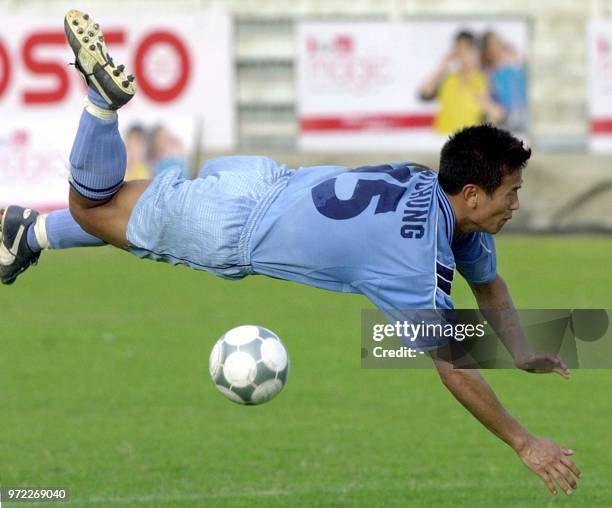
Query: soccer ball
point(249, 365)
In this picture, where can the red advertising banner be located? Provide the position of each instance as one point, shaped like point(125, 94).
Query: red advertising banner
point(184, 73)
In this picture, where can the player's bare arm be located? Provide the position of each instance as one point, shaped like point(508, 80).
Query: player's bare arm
point(495, 303)
point(544, 457)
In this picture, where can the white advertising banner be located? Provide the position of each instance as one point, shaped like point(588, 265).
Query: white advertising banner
point(184, 73)
point(600, 85)
point(407, 85)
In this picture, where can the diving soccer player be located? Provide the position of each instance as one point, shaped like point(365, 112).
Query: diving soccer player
point(393, 232)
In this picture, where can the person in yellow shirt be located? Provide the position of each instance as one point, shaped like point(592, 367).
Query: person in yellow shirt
point(461, 88)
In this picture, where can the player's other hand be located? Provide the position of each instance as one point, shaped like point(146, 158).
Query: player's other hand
point(551, 462)
point(542, 363)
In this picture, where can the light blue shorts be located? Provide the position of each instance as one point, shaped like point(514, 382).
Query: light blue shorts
point(206, 223)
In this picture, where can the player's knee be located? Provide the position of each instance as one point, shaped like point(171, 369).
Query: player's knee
point(78, 213)
point(81, 210)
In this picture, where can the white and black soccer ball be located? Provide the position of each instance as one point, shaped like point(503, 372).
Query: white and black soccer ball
point(249, 365)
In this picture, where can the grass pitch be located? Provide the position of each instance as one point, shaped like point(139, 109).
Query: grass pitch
point(104, 389)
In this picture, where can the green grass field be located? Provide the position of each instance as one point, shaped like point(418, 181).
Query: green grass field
point(104, 389)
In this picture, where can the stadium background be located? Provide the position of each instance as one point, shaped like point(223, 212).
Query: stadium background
point(103, 385)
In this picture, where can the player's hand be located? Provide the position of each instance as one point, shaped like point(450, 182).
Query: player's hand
point(542, 363)
point(551, 462)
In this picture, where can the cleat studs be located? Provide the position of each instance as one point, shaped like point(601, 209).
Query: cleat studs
point(92, 47)
point(121, 67)
point(85, 39)
point(75, 22)
point(126, 83)
point(101, 38)
point(80, 31)
point(116, 73)
point(90, 33)
point(86, 16)
point(130, 78)
point(96, 26)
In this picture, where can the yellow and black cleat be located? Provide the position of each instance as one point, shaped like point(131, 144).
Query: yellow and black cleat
point(93, 61)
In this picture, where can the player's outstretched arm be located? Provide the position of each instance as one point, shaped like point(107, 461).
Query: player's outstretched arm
point(495, 303)
point(544, 457)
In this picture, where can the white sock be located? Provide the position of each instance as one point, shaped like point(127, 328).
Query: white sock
point(98, 112)
point(40, 231)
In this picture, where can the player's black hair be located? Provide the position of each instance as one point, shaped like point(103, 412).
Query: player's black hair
point(465, 35)
point(481, 155)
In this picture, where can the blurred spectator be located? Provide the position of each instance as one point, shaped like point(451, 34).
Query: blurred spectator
point(507, 80)
point(461, 88)
point(135, 140)
point(166, 151)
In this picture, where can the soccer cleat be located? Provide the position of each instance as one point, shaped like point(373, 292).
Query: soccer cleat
point(15, 254)
point(93, 61)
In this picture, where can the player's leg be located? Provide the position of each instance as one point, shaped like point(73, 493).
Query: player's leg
point(97, 170)
point(99, 201)
point(26, 233)
point(108, 221)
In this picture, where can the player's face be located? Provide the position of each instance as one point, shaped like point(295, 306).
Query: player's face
point(494, 211)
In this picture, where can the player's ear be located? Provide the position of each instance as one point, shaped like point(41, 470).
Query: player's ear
point(470, 195)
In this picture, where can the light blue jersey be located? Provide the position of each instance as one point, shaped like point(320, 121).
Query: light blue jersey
point(384, 231)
